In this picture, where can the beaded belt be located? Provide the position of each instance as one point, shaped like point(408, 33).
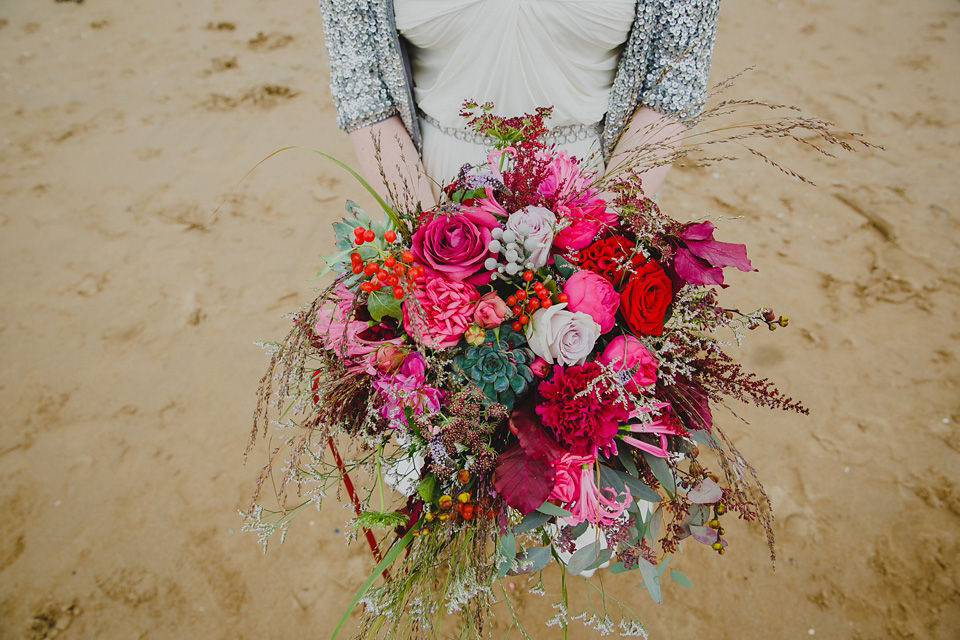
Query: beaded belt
point(557, 135)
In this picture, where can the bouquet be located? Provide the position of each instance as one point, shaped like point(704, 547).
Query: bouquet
point(525, 374)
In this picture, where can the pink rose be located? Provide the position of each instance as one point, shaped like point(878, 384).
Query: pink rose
point(387, 358)
point(455, 245)
point(490, 311)
point(626, 353)
point(439, 312)
point(585, 222)
point(595, 296)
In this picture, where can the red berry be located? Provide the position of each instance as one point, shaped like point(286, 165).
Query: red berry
point(543, 294)
point(524, 319)
point(517, 310)
point(547, 303)
point(358, 231)
point(376, 286)
point(390, 261)
point(356, 257)
point(398, 293)
point(359, 240)
point(371, 268)
point(416, 272)
point(407, 256)
point(366, 286)
point(382, 274)
point(369, 235)
point(528, 275)
point(390, 236)
point(538, 287)
point(521, 294)
point(533, 305)
point(400, 269)
point(393, 280)
point(357, 268)
point(511, 301)
point(563, 297)
point(516, 326)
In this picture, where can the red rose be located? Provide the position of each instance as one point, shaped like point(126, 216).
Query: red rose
point(644, 301)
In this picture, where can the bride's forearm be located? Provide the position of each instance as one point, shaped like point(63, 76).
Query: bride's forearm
point(650, 138)
point(399, 157)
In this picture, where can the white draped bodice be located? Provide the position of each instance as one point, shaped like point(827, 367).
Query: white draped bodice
point(518, 54)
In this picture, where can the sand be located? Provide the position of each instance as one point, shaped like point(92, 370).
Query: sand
point(130, 313)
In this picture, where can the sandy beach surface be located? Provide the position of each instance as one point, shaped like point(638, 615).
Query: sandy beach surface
point(129, 314)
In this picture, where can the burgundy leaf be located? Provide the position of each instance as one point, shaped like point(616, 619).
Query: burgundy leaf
point(699, 240)
point(524, 482)
point(693, 270)
point(534, 439)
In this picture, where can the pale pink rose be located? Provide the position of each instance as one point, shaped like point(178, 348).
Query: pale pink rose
point(440, 311)
point(626, 353)
point(540, 368)
point(595, 296)
point(387, 358)
point(561, 336)
point(490, 311)
point(538, 239)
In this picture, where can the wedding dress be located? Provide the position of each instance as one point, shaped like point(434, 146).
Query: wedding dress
point(518, 54)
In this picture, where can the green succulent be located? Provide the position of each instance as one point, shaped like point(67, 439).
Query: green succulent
point(500, 366)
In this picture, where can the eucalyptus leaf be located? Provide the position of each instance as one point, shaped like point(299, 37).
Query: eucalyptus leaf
point(507, 549)
point(603, 556)
point(661, 471)
point(563, 266)
point(663, 565)
point(650, 579)
point(704, 438)
point(704, 535)
point(706, 492)
point(618, 567)
point(680, 578)
point(583, 558)
point(638, 489)
point(653, 530)
point(697, 515)
point(531, 521)
point(551, 509)
point(533, 559)
point(579, 529)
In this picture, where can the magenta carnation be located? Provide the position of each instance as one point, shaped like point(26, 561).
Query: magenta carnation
point(440, 312)
point(584, 422)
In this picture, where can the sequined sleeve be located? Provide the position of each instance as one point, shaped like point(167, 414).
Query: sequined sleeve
point(356, 82)
point(678, 59)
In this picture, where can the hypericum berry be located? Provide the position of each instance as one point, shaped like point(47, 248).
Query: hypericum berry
point(366, 286)
point(562, 297)
point(358, 231)
point(369, 235)
point(407, 256)
point(398, 293)
point(547, 303)
point(528, 275)
point(393, 280)
point(521, 294)
point(357, 268)
point(445, 501)
point(400, 269)
point(376, 285)
point(543, 294)
point(511, 301)
point(359, 240)
point(390, 236)
point(533, 305)
point(463, 476)
point(416, 272)
point(390, 262)
point(538, 287)
point(356, 257)
point(382, 275)
point(517, 310)
point(524, 319)
point(371, 268)
point(516, 326)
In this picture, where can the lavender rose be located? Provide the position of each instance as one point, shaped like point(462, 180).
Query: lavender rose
point(537, 225)
point(561, 336)
point(455, 245)
point(595, 296)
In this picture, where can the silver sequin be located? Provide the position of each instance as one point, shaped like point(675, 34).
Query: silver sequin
point(664, 64)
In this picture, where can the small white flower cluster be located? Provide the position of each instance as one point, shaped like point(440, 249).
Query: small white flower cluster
point(560, 617)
